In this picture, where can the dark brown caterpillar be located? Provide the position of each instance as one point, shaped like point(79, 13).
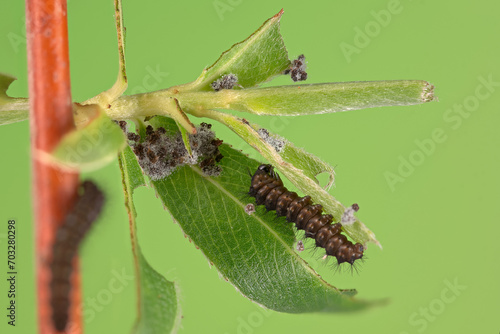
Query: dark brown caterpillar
point(268, 189)
point(68, 237)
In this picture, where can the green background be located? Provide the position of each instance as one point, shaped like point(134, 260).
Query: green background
point(436, 226)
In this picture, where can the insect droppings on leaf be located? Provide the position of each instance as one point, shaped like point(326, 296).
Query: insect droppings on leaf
point(159, 154)
point(297, 69)
point(227, 81)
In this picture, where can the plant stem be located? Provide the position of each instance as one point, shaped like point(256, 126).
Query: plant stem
point(291, 100)
point(120, 86)
point(54, 191)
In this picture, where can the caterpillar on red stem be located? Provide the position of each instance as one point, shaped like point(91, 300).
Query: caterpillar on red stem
point(68, 237)
point(268, 189)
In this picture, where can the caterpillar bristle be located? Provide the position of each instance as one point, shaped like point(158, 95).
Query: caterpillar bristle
point(268, 190)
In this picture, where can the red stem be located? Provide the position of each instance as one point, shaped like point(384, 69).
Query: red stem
point(54, 191)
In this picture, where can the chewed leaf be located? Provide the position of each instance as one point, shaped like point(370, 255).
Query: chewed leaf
point(290, 166)
point(5, 81)
point(158, 299)
point(255, 252)
point(255, 60)
point(11, 109)
point(310, 164)
point(91, 147)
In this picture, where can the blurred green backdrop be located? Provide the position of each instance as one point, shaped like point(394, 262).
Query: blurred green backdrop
point(425, 176)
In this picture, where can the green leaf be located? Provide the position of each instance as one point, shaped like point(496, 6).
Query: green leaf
point(5, 81)
point(310, 164)
point(255, 60)
point(254, 252)
point(91, 147)
point(297, 170)
point(158, 307)
point(311, 99)
point(332, 97)
point(11, 109)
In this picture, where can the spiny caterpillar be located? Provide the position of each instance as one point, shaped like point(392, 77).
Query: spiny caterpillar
point(267, 188)
point(68, 237)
